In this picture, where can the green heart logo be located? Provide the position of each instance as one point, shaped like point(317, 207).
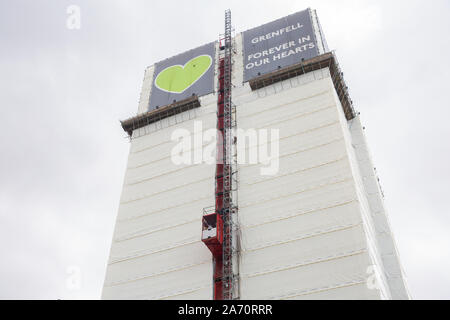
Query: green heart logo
point(177, 78)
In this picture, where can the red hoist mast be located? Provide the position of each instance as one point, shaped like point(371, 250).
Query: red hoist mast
point(219, 226)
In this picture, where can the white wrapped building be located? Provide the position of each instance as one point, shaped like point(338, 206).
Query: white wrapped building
point(315, 229)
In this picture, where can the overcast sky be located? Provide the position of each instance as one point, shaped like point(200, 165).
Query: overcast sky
point(63, 152)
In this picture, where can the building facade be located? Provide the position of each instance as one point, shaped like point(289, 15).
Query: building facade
point(313, 227)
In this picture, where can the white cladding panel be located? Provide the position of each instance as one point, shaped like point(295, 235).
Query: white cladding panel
point(302, 232)
point(383, 239)
point(156, 251)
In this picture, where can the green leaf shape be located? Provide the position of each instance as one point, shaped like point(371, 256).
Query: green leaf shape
point(177, 78)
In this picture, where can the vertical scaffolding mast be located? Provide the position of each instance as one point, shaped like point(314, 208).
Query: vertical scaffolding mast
point(229, 278)
point(219, 229)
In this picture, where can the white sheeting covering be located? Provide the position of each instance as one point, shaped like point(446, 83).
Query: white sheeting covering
point(312, 231)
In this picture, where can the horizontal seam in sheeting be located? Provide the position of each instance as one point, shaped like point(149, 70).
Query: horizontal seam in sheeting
point(302, 80)
point(147, 197)
point(297, 152)
point(180, 292)
point(140, 134)
point(317, 290)
point(280, 196)
point(304, 169)
point(167, 189)
point(204, 196)
point(301, 115)
point(296, 134)
point(302, 133)
point(177, 293)
point(297, 213)
point(286, 155)
point(299, 265)
point(165, 141)
point(174, 269)
point(169, 156)
point(272, 107)
point(168, 172)
point(306, 236)
point(271, 124)
point(147, 253)
point(163, 209)
point(153, 146)
point(145, 232)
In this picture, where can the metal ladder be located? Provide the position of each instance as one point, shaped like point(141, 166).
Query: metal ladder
point(230, 278)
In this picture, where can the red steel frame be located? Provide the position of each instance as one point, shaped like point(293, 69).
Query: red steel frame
point(221, 245)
